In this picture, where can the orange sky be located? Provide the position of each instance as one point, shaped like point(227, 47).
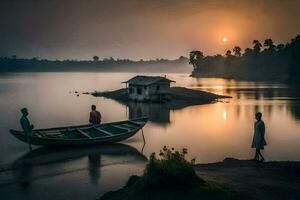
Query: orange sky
point(140, 29)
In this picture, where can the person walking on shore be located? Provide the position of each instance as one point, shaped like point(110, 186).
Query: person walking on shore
point(95, 116)
point(26, 126)
point(259, 141)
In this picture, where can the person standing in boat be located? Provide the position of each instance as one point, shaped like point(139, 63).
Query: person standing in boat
point(259, 141)
point(95, 116)
point(26, 126)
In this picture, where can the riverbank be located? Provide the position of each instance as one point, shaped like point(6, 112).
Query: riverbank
point(180, 97)
point(243, 179)
point(255, 180)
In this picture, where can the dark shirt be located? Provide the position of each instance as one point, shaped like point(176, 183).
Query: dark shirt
point(27, 128)
point(95, 117)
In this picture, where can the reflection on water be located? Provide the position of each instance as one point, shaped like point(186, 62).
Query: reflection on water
point(157, 112)
point(210, 132)
point(261, 95)
point(94, 167)
point(43, 164)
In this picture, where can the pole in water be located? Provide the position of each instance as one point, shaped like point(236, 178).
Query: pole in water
point(143, 135)
point(143, 140)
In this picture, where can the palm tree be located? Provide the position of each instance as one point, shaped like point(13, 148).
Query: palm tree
point(237, 51)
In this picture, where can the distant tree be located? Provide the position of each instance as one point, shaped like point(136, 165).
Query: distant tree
point(269, 43)
point(237, 51)
point(280, 47)
point(182, 58)
point(248, 52)
point(14, 57)
point(195, 58)
point(95, 58)
point(296, 39)
point(228, 58)
point(256, 46)
point(228, 53)
point(294, 51)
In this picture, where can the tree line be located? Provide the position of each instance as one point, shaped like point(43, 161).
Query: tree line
point(15, 64)
point(265, 61)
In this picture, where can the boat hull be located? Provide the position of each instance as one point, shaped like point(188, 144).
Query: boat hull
point(43, 141)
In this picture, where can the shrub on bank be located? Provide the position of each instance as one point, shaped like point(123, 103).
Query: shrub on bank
point(169, 176)
point(170, 170)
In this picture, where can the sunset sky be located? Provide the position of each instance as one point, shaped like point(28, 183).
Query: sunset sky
point(135, 29)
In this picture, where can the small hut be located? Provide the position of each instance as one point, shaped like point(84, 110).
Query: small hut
point(149, 88)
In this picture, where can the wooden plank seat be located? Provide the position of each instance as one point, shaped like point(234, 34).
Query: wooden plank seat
point(120, 127)
point(83, 133)
point(103, 131)
point(49, 134)
point(129, 126)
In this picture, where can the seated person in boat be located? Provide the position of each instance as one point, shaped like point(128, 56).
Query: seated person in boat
point(26, 126)
point(95, 116)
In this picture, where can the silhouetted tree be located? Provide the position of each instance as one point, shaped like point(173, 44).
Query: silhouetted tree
point(269, 43)
point(256, 47)
point(195, 58)
point(182, 59)
point(228, 59)
point(294, 49)
point(96, 58)
point(280, 47)
point(228, 53)
point(248, 52)
point(237, 51)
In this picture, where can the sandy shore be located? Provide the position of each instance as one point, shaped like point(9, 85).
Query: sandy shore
point(254, 180)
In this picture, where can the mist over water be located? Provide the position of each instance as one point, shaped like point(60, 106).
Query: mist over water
point(210, 132)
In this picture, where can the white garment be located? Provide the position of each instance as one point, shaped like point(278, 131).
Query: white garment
point(259, 135)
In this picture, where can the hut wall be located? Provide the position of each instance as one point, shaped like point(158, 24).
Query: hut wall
point(159, 87)
point(139, 93)
point(149, 92)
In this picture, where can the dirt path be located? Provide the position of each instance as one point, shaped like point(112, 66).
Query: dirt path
point(253, 180)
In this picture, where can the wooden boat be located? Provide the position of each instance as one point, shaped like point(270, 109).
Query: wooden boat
point(84, 134)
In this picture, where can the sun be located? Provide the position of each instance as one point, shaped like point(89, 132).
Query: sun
point(224, 39)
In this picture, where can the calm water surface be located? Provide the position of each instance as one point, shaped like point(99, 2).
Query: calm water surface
point(210, 132)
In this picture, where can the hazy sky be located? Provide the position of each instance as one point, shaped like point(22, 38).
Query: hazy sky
point(79, 29)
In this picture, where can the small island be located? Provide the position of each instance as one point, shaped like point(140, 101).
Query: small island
point(156, 89)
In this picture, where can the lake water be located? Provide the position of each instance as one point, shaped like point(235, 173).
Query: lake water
point(210, 132)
